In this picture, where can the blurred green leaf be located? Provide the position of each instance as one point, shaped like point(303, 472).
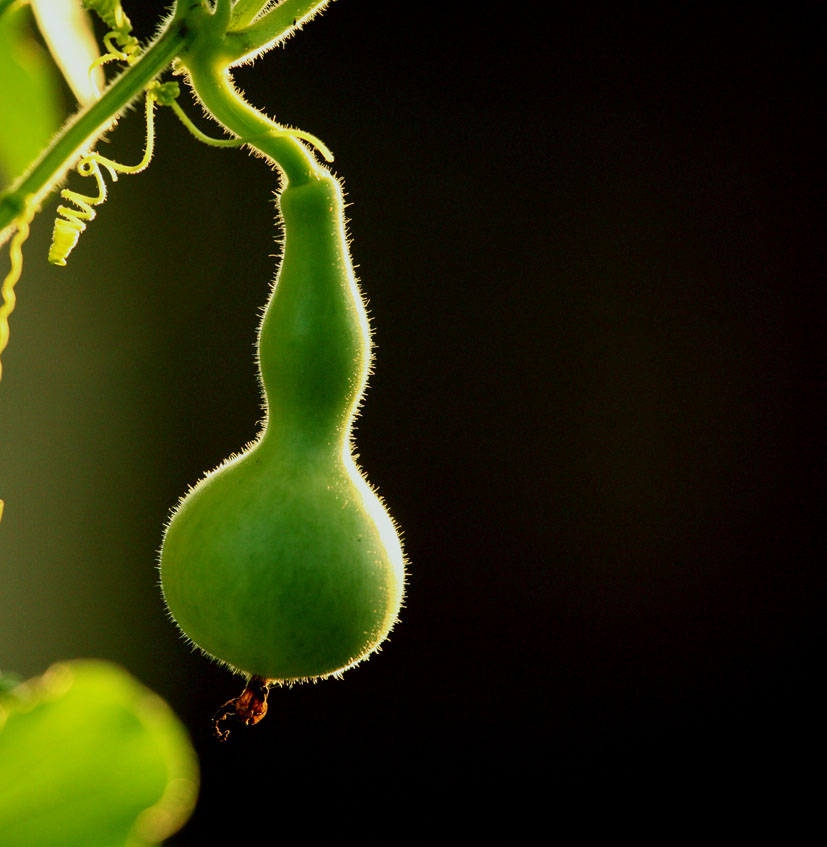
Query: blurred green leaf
point(66, 28)
point(30, 110)
point(8, 681)
point(89, 757)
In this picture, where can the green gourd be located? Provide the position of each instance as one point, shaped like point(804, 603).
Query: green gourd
point(283, 563)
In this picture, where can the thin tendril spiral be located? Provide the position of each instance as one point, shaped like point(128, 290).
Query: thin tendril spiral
point(74, 221)
point(68, 228)
point(8, 299)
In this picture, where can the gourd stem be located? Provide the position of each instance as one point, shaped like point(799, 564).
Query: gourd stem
point(88, 125)
point(213, 86)
point(276, 25)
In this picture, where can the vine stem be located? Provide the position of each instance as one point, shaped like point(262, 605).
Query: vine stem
point(208, 60)
point(213, 86)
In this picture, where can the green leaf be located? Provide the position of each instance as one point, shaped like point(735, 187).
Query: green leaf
point(89, 757)
point(30, 110)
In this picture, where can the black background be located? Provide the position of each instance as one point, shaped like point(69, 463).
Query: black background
point(587, 235)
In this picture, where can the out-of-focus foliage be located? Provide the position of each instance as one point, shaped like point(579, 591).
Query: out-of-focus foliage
point(30, 110)
point(8, 681)
point(66, 28)
point(89, 757)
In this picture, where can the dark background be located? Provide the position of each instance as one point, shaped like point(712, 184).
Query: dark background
point(589, 249)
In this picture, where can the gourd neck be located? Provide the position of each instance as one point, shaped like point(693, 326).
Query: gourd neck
point(314, 342)
point(306, 448)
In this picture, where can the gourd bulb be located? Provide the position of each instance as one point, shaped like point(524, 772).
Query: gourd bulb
point(283, 563)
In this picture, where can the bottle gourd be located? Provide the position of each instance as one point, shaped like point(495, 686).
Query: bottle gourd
point(283, 563)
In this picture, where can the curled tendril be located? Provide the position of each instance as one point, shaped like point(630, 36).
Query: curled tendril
point(8, 299)
point(68, 228)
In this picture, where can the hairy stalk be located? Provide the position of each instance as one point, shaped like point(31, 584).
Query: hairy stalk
point(213, 86)
point(242, 45)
